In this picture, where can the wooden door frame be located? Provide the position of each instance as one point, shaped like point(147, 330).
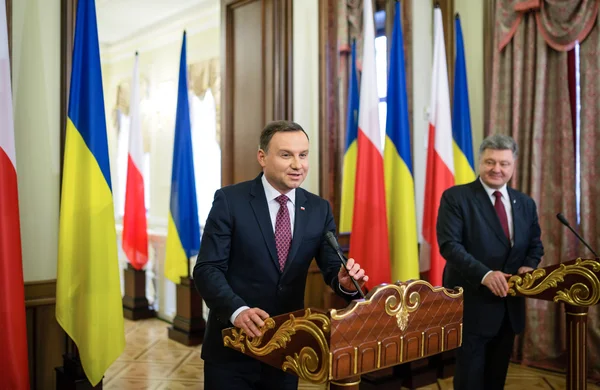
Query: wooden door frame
point(277, 54)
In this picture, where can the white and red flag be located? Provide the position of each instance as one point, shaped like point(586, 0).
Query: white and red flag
point(369, 238)
point(13, 334)
point(440, 158)
point(135, 235)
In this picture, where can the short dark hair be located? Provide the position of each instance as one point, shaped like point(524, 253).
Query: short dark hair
point(499, 142)
point(276, 127)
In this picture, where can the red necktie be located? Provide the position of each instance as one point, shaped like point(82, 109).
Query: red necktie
point(501, 211)
point(283, 231)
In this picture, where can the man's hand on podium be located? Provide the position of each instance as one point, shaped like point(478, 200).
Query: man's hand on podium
point(354, 271)
point(251, 320)
point(496, 282)
point(524, 269)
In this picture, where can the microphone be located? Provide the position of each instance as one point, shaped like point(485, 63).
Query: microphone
point(330, 237)
point(564, 221)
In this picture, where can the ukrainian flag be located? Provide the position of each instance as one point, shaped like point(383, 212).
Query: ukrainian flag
point(399, 183)
point(88, 292)
point(349, 168)
point(183, 234)
point(464, 168)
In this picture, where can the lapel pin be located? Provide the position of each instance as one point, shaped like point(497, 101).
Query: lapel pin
point(302, 208)
point(515, 201)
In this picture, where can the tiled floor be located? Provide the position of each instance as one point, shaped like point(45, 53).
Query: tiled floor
point(152, 361)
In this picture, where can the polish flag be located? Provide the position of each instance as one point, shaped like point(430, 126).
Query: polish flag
point(135, 236)
point(369, 237)
point(440, 158)
point(13, 336)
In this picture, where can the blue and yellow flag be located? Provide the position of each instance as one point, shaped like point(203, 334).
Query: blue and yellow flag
point(183, 235)
point(464, 169)
point(399, 183)
point(88, 292)
point(349, 167)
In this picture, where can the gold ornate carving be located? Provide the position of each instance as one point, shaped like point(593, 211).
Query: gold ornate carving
point(578, 294)
point(306, 363)
point(401, 303)
point(240, 341)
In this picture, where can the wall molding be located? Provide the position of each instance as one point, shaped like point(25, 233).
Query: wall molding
point(40, 293)
point(161, 34)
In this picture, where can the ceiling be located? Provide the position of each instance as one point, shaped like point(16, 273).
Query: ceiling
point(122, 19)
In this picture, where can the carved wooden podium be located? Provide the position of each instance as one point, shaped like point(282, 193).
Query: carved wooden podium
point(396, 323)
point(576, 284)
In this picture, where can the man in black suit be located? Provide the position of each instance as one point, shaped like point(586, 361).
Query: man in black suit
point(487, 232)
point(258, 243)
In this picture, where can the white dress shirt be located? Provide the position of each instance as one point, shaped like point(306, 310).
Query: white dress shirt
point(507, 206)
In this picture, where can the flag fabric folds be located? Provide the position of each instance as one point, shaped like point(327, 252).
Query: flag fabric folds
point(440, 160)
point(464, 168)
point(349, 167)
point(88, 292)
point(13, 336)
point(135, 234)
point(183, 234)
point(399, 183)
point(369, 238)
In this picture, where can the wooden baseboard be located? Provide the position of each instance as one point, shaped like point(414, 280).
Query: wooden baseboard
point(46, 340)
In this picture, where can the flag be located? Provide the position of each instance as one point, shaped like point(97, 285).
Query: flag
point(183, 234)
point(440, 161)
point(464, 168)
point(349, 167)
point(369, 238)
point(13, 336)
point(399, 183)
point(88, 291)
point(135, 235)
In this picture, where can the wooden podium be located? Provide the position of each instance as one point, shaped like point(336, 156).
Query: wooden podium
point(396, 323)
point(576, 284)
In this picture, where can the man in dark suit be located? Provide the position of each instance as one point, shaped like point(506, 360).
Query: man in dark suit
point(258, 243)
point(487, 232)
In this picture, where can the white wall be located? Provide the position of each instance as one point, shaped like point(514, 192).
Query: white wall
point(306, 81)
point(36, 91)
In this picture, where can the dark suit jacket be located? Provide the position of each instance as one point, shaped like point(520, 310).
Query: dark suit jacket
point(472, 241)
point(238, 266)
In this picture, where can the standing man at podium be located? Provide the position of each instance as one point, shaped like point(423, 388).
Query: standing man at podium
point(259, 240)
point(488, 232)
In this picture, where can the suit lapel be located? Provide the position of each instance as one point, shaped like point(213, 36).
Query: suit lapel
point(261, 212)
point(301, 216)
point(516, 216)
point(488, 211)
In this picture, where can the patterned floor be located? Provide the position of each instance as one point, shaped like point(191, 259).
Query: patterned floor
point(152, 361)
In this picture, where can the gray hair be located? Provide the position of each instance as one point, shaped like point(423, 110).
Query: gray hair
point(499, 142)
